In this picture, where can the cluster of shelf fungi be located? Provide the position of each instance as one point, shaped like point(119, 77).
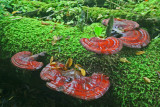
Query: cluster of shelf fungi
point(124, 33)
point(71, 81)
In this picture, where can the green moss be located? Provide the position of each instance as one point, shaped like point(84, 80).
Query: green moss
point(145, 13)
point(155, 45)
point(128, 87)
point(27, 6)
point(58, 5)
point(148, 9)
point(141, 11)
point(145, 17)
point(30, 35)
point(137, 12)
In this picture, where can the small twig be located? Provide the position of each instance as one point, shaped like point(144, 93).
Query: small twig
point(16, 18)
point(30, 13)
point(47, 17)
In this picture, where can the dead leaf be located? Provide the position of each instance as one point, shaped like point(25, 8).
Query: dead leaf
point(124, 60)
point(147, 80)
point(67, 14)
point(99, 16)
point(140, 52)
point(101, 37)
point(68, 63)
point(51, 31)
point(15, 12)
point(54, 27)
point(83, 72)
point(53, 42)
point(68, 37)
point(53, 63)
point(51, 60)
point(48, 39)
point(79, 67)
point(43, 23)
point(117, 8)
point(57, 38)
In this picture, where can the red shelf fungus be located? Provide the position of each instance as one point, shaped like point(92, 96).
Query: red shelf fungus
point(108, 46)
point(25, 60)
point(122, 25)
point(135, 38)
point(88, 88)
point(50, 71)
point(72, 82)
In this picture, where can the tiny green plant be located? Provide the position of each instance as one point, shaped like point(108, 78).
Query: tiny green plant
point(110, 26)
point(98, 31)
point(81, 20)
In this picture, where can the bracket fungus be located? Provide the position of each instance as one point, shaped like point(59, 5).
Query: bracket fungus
point(135, 38)
point(51, 70)
point(87, 88)
point(124, 32)
point(72, 82)
point(25, 60)
point(122, 25)
point(129, 33)
point(108, 46)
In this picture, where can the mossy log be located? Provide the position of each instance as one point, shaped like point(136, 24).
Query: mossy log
point(26, 34)
point(132, 85)
point(141, 11)
point(128, 87)
point(145, 13)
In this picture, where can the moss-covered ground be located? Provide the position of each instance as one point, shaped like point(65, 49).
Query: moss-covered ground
point(30, 35)
point(128, 88)
point(130, 85)
point(145, 13)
